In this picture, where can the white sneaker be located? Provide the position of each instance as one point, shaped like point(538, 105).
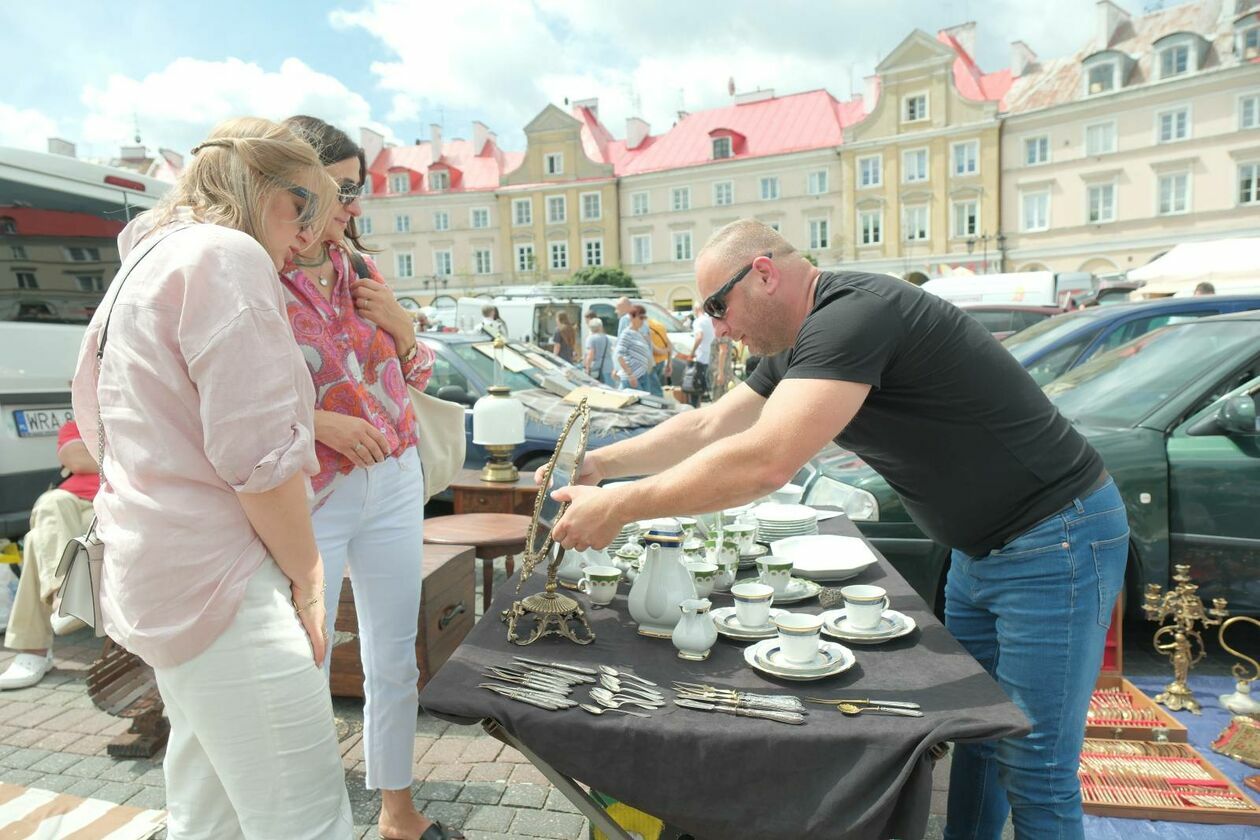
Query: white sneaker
point(65, 625)
point(26, 670)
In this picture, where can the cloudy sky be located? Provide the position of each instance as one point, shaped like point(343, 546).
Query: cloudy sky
point(91, 71)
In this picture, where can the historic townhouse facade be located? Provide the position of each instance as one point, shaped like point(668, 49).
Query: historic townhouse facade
point(1148, 136)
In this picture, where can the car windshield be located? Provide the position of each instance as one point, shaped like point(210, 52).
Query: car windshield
point(523, 366)
point(1030, 342)
point(1122, 387)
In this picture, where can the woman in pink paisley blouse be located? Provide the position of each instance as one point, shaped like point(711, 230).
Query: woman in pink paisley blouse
point(361, 348)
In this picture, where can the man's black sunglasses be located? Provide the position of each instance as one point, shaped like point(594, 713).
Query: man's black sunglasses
point(715, 304)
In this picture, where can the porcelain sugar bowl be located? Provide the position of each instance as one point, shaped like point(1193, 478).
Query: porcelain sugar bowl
point(695, 634)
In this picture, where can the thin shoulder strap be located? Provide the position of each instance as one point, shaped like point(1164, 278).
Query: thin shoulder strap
point(100, 345)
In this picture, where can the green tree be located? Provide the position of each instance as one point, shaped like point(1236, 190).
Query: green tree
point(601, 275)
point(811, 259)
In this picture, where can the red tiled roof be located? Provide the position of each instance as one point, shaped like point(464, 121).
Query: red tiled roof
point(30, 222)
point(478, 172)
point(971, 81)
point(595, 137)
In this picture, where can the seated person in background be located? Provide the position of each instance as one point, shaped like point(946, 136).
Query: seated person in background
point(58, 516)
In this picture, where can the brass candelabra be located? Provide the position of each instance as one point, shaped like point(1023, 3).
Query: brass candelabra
point(1181, 640)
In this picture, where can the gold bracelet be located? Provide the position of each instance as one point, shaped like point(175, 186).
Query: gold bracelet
point(314, 600)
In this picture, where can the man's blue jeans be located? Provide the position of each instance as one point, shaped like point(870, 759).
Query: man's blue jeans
point(1035, 614)
point(656, 379)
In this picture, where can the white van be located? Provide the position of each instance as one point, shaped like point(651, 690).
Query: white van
point(1027, 288)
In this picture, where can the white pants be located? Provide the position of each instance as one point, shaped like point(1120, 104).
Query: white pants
point(374, 520)
point(57, 517)
point(253, 748)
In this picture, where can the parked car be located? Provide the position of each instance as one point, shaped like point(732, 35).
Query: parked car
point(1173, 415)
point(1026, 288)
point(465, 369)
point(1003, 319)
point(1051, 348)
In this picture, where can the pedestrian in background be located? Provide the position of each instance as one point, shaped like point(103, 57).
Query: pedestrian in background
point(1204, 288)
point(599, 352)
point(662, 355)
point(564, 339)
point(633, 353)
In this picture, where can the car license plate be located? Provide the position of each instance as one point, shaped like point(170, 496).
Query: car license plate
point(40, 422)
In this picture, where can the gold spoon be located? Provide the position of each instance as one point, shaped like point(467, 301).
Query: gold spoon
point(851, 710)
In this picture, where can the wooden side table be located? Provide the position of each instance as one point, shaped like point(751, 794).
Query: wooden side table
point(472, 495)
point(491, 534)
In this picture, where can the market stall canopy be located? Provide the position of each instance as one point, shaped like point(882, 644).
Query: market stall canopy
point(1231, 265)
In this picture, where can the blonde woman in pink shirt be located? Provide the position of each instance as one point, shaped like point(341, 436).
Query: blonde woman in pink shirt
point(211, 570)
point(361, 348)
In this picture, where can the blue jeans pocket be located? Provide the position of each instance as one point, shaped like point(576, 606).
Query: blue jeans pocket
point(1110, 580)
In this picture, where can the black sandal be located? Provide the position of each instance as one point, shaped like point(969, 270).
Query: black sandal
point(437, 831)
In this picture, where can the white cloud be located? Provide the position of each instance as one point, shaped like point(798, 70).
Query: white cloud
point(177, 106)
point(26, 128)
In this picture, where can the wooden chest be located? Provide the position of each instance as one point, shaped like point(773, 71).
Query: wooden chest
point(446, 616)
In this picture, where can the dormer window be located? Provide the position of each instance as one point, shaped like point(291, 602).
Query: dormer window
point(1174, 61)
point(439, 180)
point(1101, 78)
point(399, 182)
point(721, 148)
point(1249, 43)
point(914, 108)
point(553, 164)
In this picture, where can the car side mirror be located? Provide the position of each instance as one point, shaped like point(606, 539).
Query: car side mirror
point(455, 394)
point(1237, 416)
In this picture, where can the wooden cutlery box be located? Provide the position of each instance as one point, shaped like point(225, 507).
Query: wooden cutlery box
point(446, 617)
point(1110, 678)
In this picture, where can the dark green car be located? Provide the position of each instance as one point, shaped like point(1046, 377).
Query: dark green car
point(1173, 415)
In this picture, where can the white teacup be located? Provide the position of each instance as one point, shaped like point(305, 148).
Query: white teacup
point(600, 583)
point(864, 605)
point(775, 572)
point(752, 603)
point(799, 636)
point(788, 494)
point(689, 526)
point(704, 575)
point(745, 536)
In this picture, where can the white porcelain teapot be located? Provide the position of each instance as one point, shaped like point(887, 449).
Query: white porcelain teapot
point(663, 582)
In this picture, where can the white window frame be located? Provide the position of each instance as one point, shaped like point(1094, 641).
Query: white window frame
point(905, 169)
point(584, 199)
point(558, 255)
point(402, 223)
point(404, 264)
point(1042, 145)
point(399, 178)
point(441, 220)
point(1254, 166)
point(862, 172)
point(680, 199)
point(1249, 51)
point(525, 258)
point(480, 265)
point(954, 208)
point(1170, 50)
point(27, 280)
point(553, 163)
point(921, 235)
point(475, 213)
point(439, 180)
point(1108, 124)
point(367, 187)
point(722, 148)
point(1096, 189)
point(677, 239)
point(1024, 225)
point(443, 258)
point(641, 248)
point(1171, 112)
point(973, 159)
point(906, 103)
point(639, 205)
point(1252, 97)
point(528, 205)
point(554, 201)
point(723, 189)
point(768, 188)
point(1115, 71)
point(819, 234)
point(816, 182)
point(1159, 190)
point(593, 244)
point(863, 229)
point(90, 282)
point(18, 252)
point(364, 225)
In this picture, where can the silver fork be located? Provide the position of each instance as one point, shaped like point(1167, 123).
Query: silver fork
point(598, 710)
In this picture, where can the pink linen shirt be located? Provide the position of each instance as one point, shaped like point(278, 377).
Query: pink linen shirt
point(203, 395)
point(354, 364)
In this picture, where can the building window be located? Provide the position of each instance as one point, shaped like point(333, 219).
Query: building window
point(1101, 78)
point(682, 245)
point(482, 261)
point(1101, 200)
point(1035, 211)
point(641, 248)
point(1173, 61)
point(559, 256)
point(871, 227)
point(555, 209)
point(721, 147)
point(367, 186)
point(84, 254)
point(723, 193)
point(1250, 43)
point(1036, 150)
point(593, 251)
point(1249, 183)
point(769, 188)
point(966, 219)
point(26, 280)
point(402, 224)
point(1100, 139)
point(819, 234)
point(1174, 193)
point(442, 263)
point(1249, 110)
point(592, 206)
point(966, 158)
point(440, 180)
point(914, 108)
point(19, 251)
point(1171, 126)
point(402, 262)
point(553, 164)
point(364, 224)
point(522, 212)
point(914, 164)
point(90, 283)
point(441, 220)
point(775, 226)
point(7, 225)
point(639, 204)
point(399, 182)
point(816, 184)
point(525, 257)
point(870, 171)
point(680, 198)
point(479, 217)
point(915, 222)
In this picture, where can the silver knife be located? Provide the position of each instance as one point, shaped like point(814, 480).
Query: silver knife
point(781, 717)
point(541, 700)
point(739, 703)
point(590, 672)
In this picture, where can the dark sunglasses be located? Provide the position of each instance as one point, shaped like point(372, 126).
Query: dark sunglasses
point(715, 304)
point(307, 212)
point(348, 191)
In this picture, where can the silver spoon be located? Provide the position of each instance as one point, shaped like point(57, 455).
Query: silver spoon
point(851, 710)
point(598, 710)
point(613, 672)
point(617, 687)
point(604, 697)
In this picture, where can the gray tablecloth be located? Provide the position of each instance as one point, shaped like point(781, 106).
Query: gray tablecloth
point(719, 776)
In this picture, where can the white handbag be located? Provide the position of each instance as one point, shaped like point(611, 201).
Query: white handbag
point(80, 570)
point(440, 425)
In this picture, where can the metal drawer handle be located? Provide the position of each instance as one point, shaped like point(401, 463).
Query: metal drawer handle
point(448, 614)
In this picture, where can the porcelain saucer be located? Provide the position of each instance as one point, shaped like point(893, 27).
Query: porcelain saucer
point(728, 625)
point(892, 625)
point(835, 659)
point(798, 590)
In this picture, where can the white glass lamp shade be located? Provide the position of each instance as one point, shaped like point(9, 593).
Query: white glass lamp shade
point(498, 419)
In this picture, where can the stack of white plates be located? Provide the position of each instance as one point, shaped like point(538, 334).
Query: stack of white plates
point(623, 536)
point(776, 521)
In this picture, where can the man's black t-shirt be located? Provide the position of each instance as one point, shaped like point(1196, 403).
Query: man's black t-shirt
point(952, 422)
